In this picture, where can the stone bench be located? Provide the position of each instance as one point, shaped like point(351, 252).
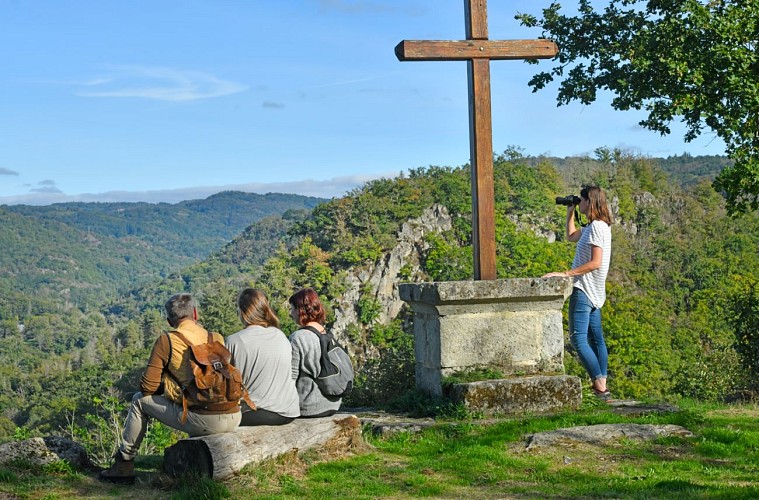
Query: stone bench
point(221, 455)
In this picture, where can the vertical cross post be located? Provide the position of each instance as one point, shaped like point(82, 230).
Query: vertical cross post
point(481, 146)
point(477, 50)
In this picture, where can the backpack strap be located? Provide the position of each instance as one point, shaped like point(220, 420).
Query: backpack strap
point(171, 350)
point(314, 330)
point(246, 398)
point(189, 345)
point(324, 347)
point(324, 337)
point(183, 338)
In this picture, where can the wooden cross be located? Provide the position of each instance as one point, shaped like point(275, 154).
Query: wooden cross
point(477, 50)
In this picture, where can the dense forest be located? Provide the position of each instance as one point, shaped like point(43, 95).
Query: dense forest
point(681, 317)
point(73, 255)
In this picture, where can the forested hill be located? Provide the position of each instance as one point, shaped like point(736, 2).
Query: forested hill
point(683, 170)
point(683, 289)
point(82, 254)
point(687, 170)
point(191, 228)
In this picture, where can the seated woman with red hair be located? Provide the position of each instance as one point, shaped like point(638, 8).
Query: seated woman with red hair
point(307, 311)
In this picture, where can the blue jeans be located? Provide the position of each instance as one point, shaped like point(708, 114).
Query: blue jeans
point(586, 335)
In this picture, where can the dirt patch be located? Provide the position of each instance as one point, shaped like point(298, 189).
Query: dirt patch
point(750, 411)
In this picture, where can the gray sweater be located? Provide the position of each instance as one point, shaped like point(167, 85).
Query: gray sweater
point(306, 353)
point(263, 357)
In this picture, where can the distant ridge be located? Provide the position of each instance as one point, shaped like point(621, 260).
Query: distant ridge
point(80, 252)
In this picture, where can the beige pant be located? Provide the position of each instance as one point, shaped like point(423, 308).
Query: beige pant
point(169, 413)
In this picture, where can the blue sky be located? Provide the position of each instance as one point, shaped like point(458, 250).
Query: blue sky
point(168, 100)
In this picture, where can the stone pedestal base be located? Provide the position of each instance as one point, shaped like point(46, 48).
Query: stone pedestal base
point(513, 326)
point(520, 395)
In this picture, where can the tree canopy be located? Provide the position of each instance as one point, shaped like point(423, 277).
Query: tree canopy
point(693, 59)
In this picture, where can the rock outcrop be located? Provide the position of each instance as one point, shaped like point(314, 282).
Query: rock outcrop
point(44, 451)
point(603, 434)
point(380, 279)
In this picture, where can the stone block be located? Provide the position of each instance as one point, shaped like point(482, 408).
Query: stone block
point(520, 395)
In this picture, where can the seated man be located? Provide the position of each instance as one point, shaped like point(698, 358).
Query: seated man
point(161, 396)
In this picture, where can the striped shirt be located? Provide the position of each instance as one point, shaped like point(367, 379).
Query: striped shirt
point(597, 233)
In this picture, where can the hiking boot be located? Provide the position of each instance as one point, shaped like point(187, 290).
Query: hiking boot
point(121, 472)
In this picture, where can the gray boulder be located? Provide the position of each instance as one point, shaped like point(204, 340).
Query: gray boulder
point(603, 434)
point(44, 451)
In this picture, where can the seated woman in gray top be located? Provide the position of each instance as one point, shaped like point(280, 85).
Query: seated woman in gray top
point(262, 354)
point(306, 310)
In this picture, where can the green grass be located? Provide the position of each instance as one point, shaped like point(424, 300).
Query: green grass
point(471, 459)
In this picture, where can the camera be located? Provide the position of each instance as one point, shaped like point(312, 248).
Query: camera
point(568, 201)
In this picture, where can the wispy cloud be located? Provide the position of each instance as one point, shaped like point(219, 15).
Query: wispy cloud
point(47, 186)
point(159, 83)
point(272, 105)
point(334, 187)
point(5, 171)
point(347, 82)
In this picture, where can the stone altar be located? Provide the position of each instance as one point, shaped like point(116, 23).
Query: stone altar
point(513, 326)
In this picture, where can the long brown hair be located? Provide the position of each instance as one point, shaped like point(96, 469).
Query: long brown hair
point(306, 302)
point(254, 309)
point(598, 209)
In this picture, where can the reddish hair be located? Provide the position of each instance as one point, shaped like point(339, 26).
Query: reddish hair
point(306, 302)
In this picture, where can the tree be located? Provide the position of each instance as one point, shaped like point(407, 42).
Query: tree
point(693, 59)
point(745, 319)
point(217, 310)
point(130, 336)
point(152, 326)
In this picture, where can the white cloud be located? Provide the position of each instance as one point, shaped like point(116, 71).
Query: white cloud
point(330, 188)
point(165, 84)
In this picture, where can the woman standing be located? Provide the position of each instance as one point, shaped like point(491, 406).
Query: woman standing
point(262, 354)
point(307, 311)
point(589, 270)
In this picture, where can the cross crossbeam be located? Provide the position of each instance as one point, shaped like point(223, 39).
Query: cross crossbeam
point(461, 50)
point(478, 51)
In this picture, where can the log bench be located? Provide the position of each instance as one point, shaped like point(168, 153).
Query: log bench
point(221, 455)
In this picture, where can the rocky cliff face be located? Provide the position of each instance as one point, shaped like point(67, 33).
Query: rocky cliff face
point(380, 280)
